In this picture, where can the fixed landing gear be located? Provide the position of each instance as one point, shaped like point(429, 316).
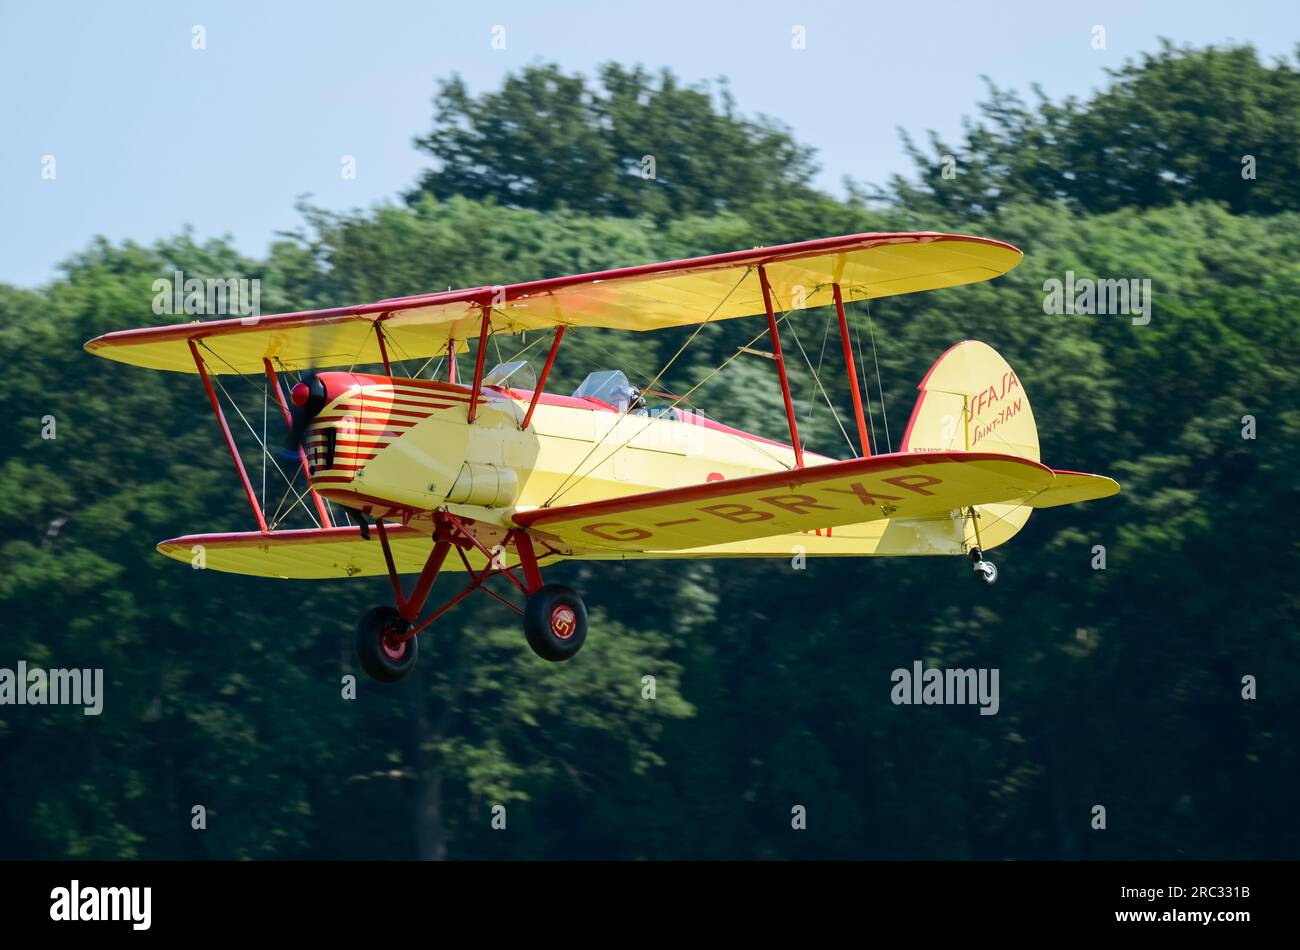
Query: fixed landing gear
point(985, 571)
point(555, 618)
point(555, 622)
point(382, 652)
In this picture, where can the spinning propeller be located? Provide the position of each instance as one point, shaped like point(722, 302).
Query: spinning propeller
point(306, 399)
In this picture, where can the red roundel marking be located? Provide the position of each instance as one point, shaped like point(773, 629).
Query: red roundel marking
point(563, 622)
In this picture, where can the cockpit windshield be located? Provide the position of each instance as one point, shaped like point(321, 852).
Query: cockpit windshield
point(609, 386)
point(517, 374)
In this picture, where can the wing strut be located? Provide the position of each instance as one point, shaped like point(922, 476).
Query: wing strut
point(863, 441)
point(541, 381)
point(230, 439)
point(383, 350)
point(478, 362)
point(780, 367)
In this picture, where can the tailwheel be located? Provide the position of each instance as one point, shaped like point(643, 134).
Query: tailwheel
point(380, 650)
point(985, 571)
point(555, 622)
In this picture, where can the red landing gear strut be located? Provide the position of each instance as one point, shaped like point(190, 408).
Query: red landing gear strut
point(555, 618)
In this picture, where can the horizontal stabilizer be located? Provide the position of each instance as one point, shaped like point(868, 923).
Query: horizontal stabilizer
point(1070, 488)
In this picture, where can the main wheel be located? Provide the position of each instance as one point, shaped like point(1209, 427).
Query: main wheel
point(986, 571)
point(380, 651)
point(555, 622)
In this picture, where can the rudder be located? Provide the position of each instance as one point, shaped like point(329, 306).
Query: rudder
point(972, 400)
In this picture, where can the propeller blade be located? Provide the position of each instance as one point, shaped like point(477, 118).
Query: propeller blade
point(306, 399)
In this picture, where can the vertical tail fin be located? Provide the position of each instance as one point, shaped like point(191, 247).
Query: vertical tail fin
point(972, 400)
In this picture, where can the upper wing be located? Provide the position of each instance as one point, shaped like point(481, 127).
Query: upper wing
point(648, 297)
point(902, 485)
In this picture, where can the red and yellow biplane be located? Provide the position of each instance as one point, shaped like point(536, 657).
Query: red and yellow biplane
point(495, 477)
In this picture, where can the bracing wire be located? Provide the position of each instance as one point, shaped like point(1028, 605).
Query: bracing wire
point(300, 498)
point(564, 485)
point(676, 401)
point(419, 373)
point(643, 383)
point(821, 360)
point(261, 443)
point(862, 369)
point(405, 358)
point(234, 372)
point(356, 357)
point(275, 518)
point(266, 398)
point(817, 382)
point(526, 347)
point(884, 415)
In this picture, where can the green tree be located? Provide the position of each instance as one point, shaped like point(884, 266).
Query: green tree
point(1179, 125)
point(629, 145)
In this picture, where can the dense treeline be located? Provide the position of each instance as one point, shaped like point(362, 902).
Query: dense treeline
point(1120, 687)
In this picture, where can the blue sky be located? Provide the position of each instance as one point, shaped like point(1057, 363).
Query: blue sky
point(149, 134)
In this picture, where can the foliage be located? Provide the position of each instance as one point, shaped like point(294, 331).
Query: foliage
point(1176, 127)
point(548, 141)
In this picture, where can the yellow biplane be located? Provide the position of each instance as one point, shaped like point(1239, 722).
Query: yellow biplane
point(510, 477)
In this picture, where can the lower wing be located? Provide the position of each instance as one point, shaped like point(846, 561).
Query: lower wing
point(892, 504)
point(897, 486)
point(315, 553)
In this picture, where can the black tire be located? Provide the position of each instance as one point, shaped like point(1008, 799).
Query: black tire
point(555, 622)
point(377, 657)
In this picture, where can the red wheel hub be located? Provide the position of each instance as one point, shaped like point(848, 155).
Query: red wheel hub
point(394, 648)
point(564, 622)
